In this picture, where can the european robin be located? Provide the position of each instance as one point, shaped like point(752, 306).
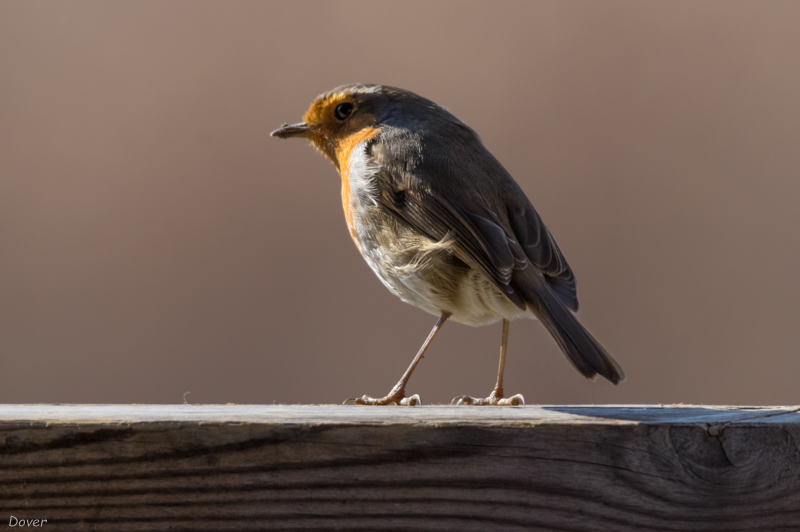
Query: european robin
point(444, 226)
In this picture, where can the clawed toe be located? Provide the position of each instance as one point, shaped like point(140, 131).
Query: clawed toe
point(492, 400)
point(465, 400)
point(514, 400)
point(391, 399)
point(414, 400)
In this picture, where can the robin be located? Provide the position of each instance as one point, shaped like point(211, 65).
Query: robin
point(444, 226)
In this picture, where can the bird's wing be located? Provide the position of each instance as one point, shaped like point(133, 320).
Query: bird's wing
point(494, 227)
point(540, 247)
point(477, 241)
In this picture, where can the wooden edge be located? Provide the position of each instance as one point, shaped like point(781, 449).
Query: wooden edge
point(83, 414)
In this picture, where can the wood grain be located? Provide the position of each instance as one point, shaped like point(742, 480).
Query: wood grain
point(248, 467)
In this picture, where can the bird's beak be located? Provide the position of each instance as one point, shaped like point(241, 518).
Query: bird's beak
point(295, 130)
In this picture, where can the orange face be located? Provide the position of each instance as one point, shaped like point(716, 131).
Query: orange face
point(336, 124)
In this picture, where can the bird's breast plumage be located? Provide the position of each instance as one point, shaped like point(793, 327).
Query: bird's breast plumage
point(417, 269)
point(349, 161)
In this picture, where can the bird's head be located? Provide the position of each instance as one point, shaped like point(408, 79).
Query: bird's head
point(338, 120)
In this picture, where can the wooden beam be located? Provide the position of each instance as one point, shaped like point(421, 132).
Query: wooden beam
point(248, 467)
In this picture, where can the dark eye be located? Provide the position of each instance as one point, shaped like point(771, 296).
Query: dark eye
point(343, 110)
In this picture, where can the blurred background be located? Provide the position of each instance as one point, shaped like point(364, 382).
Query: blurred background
point(154, 240)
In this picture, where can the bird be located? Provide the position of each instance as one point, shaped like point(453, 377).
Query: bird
point(444, 226)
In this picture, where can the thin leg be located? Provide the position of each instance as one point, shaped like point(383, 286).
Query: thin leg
point(398, 393)
point(498, 388)
point(496, 397)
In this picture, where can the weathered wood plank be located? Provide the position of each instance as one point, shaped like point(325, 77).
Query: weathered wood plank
point(247, 467)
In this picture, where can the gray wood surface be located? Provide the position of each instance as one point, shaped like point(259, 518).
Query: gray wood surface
point(320, 467)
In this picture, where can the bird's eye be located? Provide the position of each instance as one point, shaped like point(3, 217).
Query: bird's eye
point(343, 110)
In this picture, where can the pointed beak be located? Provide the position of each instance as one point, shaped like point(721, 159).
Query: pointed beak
point(295, 130)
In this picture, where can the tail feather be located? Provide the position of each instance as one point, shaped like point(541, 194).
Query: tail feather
point(580, 347)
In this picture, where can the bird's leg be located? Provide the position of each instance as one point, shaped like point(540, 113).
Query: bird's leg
point(398, 394)
point(496, 397)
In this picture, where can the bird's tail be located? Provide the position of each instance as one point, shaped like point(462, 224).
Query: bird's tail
point(580, 347)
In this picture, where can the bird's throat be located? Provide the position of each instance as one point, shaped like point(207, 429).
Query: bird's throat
point(344, 150)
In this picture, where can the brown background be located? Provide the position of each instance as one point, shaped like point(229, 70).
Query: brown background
point(155, 240)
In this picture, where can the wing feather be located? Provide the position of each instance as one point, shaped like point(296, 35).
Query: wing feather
point(477, 241)
point(439, 199)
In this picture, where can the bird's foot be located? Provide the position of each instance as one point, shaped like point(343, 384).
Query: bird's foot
point(393, 398)
point(493, 400)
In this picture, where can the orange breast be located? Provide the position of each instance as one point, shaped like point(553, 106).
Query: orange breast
point(343, 151)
